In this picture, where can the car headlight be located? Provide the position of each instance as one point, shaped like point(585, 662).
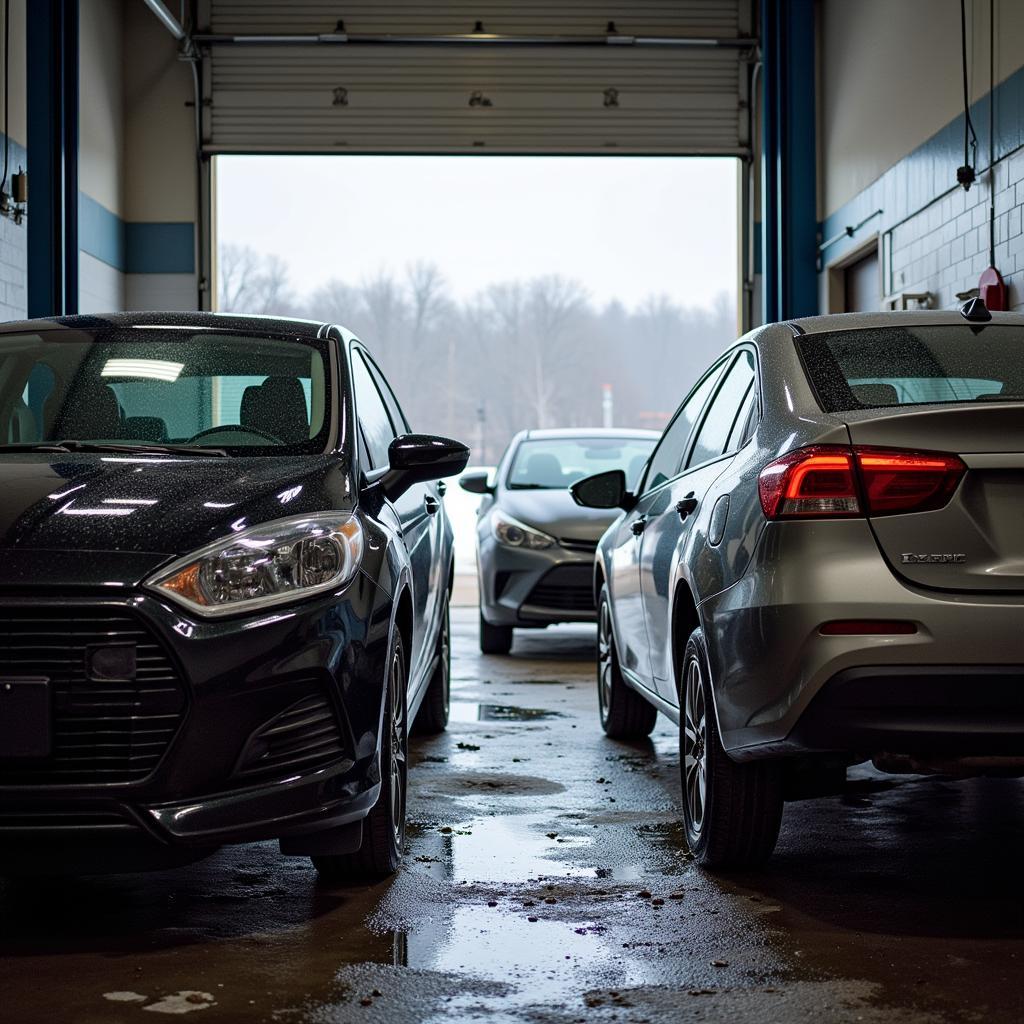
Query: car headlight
point(274, 563)
point(515, 534)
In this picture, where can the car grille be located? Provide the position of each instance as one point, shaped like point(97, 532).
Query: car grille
point(304, 737)
point(586, 547)
point(568, 588)
point(103, 731)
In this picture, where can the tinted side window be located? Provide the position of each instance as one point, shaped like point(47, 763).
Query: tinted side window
point(401, 424)
point(668, 456)
point(714, 431)
point(373, 416)
point(746, 420)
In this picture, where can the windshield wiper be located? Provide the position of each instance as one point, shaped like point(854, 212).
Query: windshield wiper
point(112, 446)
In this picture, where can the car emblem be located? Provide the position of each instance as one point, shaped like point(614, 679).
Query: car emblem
point(909, 558)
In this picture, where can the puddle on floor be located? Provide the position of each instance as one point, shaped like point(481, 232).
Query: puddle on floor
point(514, 851)
point(468, 711)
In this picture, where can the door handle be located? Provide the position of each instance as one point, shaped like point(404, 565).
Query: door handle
point(442, 488)
point(687, 506)
point(638, 526)
point(431, 504)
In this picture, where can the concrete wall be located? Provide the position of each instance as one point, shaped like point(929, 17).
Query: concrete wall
point(14, 237)
point(136, 163)
point(101, 166)
point(160, 187)
point(891, 139)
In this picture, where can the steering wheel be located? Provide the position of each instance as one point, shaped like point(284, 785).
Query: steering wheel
point(236, 428)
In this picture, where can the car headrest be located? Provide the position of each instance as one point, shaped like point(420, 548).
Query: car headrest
point(90, 413)
point(22, 424)
point(875, 394)
point(277, 407)
point(145, 428)
point(544, 469)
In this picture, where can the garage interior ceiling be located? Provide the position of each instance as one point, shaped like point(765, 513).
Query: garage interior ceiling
point(671, 77)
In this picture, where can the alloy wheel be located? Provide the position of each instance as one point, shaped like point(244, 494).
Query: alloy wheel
point(605, 658)
point(396, 682)
point(695, 746)
point(446, 659)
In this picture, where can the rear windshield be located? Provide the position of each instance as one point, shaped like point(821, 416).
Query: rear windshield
point(875, 368)
point(137, 386)
point(558, 462)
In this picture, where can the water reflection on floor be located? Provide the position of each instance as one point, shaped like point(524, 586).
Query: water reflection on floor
point(546, 880)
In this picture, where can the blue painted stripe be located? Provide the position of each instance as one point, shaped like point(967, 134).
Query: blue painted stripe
point(153, 248)
point(929, 172)
point(100, 232)
point(135, 247)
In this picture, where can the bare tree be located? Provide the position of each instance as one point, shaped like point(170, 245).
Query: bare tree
point(520, 354)
point(250, 282)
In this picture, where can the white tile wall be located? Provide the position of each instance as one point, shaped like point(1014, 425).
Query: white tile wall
point(101, 288)
point(943, 248)
point(13, 272)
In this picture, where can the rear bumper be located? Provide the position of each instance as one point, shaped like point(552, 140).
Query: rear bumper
point(771, 666)
point(945, 710)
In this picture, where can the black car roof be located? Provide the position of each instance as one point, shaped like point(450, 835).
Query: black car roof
point(215, 321)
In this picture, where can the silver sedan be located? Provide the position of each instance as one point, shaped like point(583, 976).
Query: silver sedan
point(823, 565)
point(535, 545)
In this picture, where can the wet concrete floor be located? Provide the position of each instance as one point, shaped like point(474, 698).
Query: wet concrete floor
point(546, 880)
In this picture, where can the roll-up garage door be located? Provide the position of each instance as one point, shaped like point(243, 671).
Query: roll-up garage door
point(471, 76)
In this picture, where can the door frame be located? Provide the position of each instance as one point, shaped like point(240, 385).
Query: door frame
point(835, 272)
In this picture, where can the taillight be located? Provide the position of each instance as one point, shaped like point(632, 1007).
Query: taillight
point(831, 480)
point(897, 481)
point(810, 482)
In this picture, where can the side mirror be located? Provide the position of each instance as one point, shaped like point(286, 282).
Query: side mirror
point(476, 482)
point(603, 490)
point(416, 458)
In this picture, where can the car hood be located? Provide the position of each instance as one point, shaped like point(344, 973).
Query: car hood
point(556, 513)
point(87, 518)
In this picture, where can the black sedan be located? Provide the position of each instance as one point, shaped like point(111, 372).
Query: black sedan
point(224, 592)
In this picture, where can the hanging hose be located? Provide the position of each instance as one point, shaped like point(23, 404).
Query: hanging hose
point(966, 174)
point(7, 92)
point(991, 134)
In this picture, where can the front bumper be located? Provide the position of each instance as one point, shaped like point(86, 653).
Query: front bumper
point(955, 686)
point(535, 587)
point(244, 729)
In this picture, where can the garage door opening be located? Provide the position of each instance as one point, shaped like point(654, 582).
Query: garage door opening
point(497, 293)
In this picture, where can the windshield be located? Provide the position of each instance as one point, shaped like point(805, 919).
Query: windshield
point(896, 366)
point(164, 388)
point(556, 463)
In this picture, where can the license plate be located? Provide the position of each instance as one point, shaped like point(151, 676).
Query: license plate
point(25, 717)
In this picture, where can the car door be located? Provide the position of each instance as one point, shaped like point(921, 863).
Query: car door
point(416, 509)
point(675, 509)
point(435, 557)
point(630, 629)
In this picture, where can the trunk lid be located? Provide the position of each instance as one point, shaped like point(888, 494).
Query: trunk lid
point(976, 541)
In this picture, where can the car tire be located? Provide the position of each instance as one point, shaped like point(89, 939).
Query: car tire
point(494, 639)
point(380, 853)
point(625, 715)
point(432, 717)
point(731, 810)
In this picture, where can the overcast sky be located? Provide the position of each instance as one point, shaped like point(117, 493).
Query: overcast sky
point(626, 227)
